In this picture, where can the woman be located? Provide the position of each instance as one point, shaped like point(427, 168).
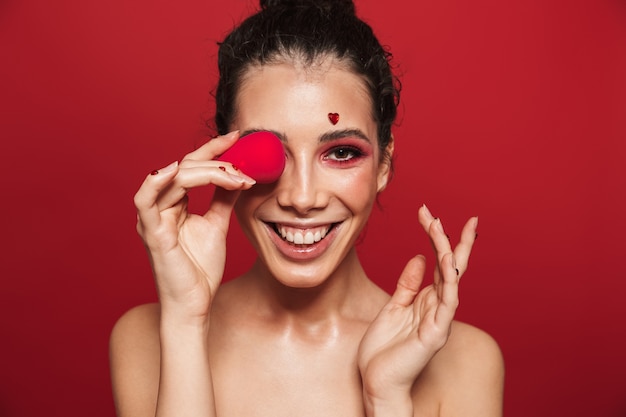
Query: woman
point(303, 332)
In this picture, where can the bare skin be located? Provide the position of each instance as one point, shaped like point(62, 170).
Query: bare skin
point(264, 369)
point(302, 333)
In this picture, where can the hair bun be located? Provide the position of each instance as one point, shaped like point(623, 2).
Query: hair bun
point(329, 6)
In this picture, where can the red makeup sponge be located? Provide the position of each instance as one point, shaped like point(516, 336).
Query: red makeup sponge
point(260, 155)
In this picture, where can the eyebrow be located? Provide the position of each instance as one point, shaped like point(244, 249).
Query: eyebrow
point(326, 137)
point(340, 134)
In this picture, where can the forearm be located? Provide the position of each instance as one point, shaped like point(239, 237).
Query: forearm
point(185, 386)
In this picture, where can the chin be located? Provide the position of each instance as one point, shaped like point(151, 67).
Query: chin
point(299, 276)
point(300, 281)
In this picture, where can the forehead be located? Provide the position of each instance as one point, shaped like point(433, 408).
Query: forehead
point(291, 93)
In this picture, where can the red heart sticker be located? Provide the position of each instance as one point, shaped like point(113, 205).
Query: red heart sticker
point(333, 117)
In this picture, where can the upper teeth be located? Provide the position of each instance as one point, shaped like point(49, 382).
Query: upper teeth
point(303, 236)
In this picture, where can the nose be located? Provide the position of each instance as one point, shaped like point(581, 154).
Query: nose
point(301, 187)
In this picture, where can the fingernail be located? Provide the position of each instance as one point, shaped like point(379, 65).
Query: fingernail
point(475, 227)
point(225, 136)
point(230, 135)
point(242, 179)
point(439, 226)
point(426, 211)
point(222, 168)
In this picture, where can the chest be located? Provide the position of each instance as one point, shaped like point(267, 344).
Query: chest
point(257, 375)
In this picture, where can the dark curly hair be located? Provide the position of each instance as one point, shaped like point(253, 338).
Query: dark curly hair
point(306, 31)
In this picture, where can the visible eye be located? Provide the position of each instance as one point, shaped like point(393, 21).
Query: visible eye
point(343, 153)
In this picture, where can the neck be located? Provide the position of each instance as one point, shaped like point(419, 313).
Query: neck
point(339, 295)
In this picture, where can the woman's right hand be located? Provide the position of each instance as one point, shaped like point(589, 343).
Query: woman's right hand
point(188, 251)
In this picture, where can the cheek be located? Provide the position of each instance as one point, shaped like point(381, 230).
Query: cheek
point(251, 199)
point(357, 189)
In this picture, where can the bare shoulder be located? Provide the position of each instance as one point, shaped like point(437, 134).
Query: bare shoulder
point(467, 374)
point(136, 328)
point(469, 346)
point(134, 351)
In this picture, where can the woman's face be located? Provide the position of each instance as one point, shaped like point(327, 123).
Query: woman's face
point(304, 225)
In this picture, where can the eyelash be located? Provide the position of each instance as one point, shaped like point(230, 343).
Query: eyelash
point(354, 153)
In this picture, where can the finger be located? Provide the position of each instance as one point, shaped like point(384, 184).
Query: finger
point(438, 237)
point(449, 297)
point(196, 175)
point(222, 206)
point(434, 229)
point(409, 282)
point(425, 217)
point(213, 163)
point(463, 249)
point(146, 197)
point(213, 148)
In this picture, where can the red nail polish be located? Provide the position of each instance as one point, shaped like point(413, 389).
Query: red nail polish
point(154, 172)
point(222, 168)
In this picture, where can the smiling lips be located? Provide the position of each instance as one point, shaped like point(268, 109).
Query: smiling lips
point(302, 236)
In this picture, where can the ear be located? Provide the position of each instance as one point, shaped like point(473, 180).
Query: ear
point(384, 169)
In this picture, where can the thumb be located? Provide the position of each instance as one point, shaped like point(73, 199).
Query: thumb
point(409, 282)
point(222, 205)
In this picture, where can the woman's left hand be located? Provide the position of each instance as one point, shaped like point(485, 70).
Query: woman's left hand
point(415, 323)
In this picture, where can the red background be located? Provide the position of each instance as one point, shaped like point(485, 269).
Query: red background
point(511, 110)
